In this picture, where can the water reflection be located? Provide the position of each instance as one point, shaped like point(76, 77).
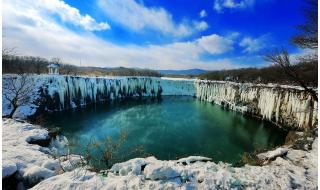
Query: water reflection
point(169, 129)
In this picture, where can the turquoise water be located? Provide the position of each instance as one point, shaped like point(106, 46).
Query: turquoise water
point(172, 128)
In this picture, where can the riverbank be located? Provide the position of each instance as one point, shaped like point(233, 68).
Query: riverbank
point(32, 164)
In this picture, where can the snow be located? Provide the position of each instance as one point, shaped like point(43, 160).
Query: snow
point(35, 174)
point(51, 165)
point(201, 174)
point(30, 161)
point(71, 162)
point(279, 152)
point(298, 169)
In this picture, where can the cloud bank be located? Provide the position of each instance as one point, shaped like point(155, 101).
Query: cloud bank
point(138, 17)
point(220, 5)
point(33, 31)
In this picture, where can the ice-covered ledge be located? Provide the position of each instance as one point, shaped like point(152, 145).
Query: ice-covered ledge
point(286, 106)
point(32, 163)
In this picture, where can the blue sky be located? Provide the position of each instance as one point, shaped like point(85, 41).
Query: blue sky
point(156, 34)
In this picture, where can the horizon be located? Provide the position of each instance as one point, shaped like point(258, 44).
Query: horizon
point(156, 35)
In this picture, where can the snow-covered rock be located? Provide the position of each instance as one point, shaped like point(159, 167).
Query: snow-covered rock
point(192, 159)
point(71, 162)
point(8, 168)
point(279, 152)
point(18, 155)
point(281, 173)
point(133, 167)
point(35, 174)
point(53, 165)
point(160, 171)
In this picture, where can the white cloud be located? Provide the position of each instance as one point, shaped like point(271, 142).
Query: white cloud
point(252, 45)
point(215, 44)
point(66, 13)
point(137, 17)
point(33, 32)
point(219, 5)
point(201, 26)
point(203, 13)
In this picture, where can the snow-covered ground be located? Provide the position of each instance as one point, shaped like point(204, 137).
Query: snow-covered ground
point(30, 163)
point(296, 169)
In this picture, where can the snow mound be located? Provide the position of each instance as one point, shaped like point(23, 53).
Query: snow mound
point(35, 174)
point(270, 155)
point(31, 161)
point(51, 165)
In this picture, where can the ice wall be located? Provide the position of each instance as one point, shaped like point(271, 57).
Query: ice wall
point(58, 92)
point(283, 105)
point(70, 91)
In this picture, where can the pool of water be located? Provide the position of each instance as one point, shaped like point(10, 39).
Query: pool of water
point(172, 128)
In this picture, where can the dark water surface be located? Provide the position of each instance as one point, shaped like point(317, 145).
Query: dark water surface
point(172, 128)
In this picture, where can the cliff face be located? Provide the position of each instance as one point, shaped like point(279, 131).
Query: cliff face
point(284, 105)
point(63, 92)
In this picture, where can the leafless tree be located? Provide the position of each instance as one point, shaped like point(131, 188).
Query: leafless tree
point(17, 91)
point(7, 52)
point(56, 60)
point(282, 59)
point(308, 38)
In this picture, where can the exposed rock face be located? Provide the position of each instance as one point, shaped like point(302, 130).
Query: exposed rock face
point(284, 105)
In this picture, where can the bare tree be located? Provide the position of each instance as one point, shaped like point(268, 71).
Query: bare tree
point(308, 38)
point(282, 59)
point(18, 91)
point(56, 60)
point(7, 52)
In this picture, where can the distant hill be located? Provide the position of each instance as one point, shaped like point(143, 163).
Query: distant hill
point(182, 72)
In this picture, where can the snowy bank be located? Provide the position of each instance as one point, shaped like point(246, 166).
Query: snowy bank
point(28, 163)
point(295, 169)
point(298, 170)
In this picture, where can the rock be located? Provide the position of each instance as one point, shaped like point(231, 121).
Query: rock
point(160, 171)
point(192, 159)
point(133, 166)
point(72, 162)
point(51, 165)
point(35, 174)
point(271, 155)
point(8, 168)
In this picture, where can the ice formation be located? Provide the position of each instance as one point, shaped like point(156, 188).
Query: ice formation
point(283, 105)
